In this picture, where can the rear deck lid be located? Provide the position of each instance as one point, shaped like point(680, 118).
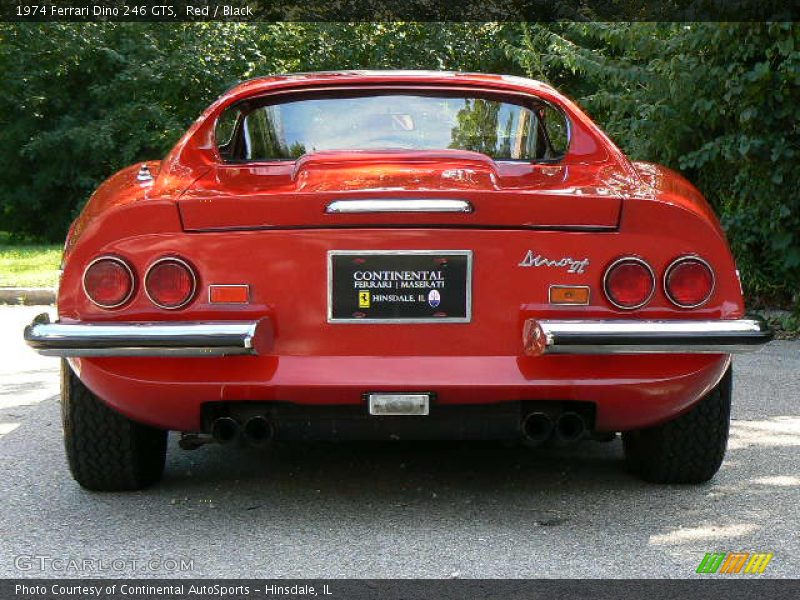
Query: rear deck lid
point(433, 188)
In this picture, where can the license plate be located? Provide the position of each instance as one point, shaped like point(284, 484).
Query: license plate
point(399, 404)
point(403, 286)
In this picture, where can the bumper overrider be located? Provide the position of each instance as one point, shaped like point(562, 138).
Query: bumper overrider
point(224, 338)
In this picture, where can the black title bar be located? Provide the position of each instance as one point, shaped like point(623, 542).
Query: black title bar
point(710, 588)
point(398, 10)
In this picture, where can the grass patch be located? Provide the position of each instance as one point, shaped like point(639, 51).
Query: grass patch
point(34, 265)
point(785, 324)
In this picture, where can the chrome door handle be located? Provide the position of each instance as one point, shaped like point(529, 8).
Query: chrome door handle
point(399, 205)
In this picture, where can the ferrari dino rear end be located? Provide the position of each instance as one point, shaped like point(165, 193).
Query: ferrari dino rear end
point(403, 256)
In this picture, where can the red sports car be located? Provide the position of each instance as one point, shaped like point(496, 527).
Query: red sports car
point(396, 255)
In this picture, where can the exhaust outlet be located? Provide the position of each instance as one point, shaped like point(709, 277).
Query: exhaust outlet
point(537, 427)
point(258, 431)
point(224, 430)
point(570, 427)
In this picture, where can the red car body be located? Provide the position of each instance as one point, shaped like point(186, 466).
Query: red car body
point(266, 225)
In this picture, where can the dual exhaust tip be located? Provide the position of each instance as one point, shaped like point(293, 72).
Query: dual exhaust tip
point(568, 428)
point(256, 431)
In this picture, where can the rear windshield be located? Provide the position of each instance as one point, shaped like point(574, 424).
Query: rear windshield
point(495, 127)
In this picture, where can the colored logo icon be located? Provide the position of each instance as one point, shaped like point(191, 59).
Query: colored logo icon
point(364, 299)
point(731, 563)
point(434, 298)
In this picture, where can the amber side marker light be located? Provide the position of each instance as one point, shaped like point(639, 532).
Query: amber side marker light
point(569, 294)
point(229, 294)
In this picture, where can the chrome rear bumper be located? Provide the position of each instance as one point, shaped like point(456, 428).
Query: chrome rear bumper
point(638, 337)
point(256, 337)
point(148, 339)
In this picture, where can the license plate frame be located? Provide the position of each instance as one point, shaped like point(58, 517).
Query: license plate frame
point(465, 255)
point(390, 404)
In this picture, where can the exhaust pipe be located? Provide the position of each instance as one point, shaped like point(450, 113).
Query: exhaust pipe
point(224, 430)
point(570, 427)
point(537, 427)
point(258, 431)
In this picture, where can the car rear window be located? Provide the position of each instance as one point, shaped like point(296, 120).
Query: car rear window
point(498, 128)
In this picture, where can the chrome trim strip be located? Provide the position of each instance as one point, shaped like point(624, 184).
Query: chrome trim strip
point(466, 319)
point(116, 259)
point(675, 263)
point(141, 339)
point(399, 205)
point(635, 337)
point(180, 261)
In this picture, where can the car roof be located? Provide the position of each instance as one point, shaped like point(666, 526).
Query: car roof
point(264, 83)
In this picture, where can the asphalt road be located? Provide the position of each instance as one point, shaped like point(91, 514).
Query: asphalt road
point(396, 510)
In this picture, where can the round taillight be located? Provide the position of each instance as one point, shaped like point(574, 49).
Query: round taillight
point(108, 282)
point(170, 283)
point(629, 283)
point(688, 282)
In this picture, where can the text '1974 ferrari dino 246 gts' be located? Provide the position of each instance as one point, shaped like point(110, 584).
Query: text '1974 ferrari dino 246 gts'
point(396, 255)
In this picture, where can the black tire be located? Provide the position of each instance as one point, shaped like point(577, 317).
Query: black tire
point(688, 449)
point(106, 451)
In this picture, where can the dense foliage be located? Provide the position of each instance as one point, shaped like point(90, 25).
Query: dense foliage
point(719, 102)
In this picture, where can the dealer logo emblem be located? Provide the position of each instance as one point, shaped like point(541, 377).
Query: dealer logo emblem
point(434, 298)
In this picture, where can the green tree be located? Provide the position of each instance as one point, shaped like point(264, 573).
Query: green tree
point(477, 127)
point(80, 101)
point(719, 102)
